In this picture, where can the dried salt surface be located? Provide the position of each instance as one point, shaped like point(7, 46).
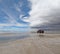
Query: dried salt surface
point(32, 45)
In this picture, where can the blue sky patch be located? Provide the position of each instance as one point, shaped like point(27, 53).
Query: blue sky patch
point(11, 10)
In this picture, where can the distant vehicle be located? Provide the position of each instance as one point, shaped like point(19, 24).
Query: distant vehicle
point(40, 31)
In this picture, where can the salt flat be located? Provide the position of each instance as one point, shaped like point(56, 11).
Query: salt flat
point(48, 44)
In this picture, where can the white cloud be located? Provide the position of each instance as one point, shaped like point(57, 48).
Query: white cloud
point(11, 20)
point(7, 24)
point(17, 7)
point(10, 17)
point(25, 19)
point(40, 9)
point(21, 15)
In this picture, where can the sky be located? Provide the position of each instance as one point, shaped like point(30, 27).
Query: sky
point(45, 14)
point(16, 15)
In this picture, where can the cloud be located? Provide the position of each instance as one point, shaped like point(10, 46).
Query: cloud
point(12, 11)
point(11, 19)
point(22, 7)
point(24, 18)
point(9, 15)
point(44, 12)
point(18, 6)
